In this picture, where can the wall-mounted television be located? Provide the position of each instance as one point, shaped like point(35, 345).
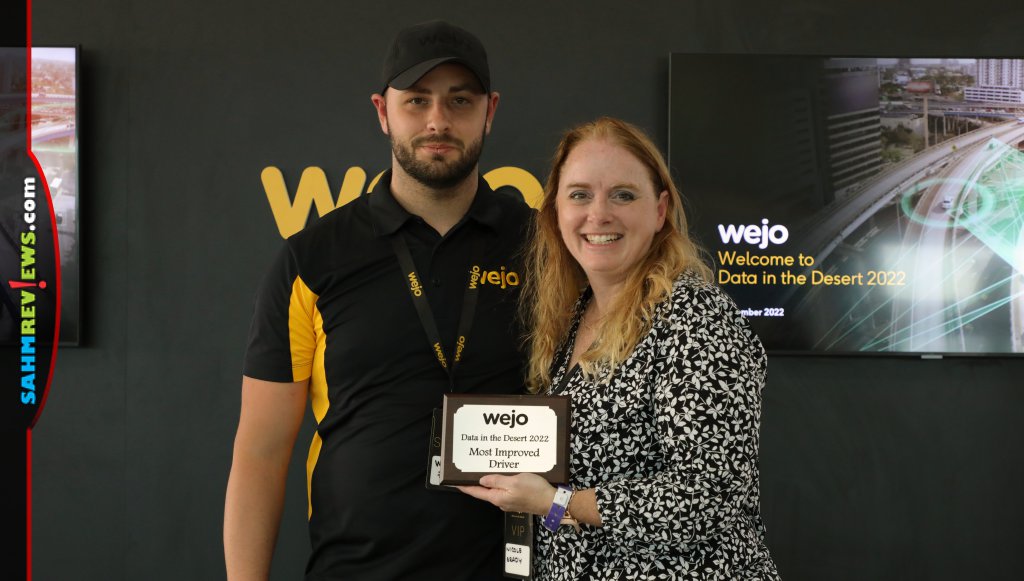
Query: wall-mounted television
point(54, 131)
point(856, 205)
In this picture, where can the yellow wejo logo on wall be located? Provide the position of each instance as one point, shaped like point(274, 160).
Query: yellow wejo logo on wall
point(291, 213)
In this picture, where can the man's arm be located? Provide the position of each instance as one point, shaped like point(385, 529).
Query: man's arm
point(267, 427)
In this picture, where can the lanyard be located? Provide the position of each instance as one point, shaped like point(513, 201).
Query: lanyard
point(419, 298)
point(569, 371)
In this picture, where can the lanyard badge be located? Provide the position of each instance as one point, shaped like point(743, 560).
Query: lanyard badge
point(518, 545)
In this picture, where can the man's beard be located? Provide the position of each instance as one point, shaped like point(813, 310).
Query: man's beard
point(435, 173)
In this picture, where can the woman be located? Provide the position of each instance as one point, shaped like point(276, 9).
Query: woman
point(664, 374)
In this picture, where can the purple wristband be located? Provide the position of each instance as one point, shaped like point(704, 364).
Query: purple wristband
point(558, 507)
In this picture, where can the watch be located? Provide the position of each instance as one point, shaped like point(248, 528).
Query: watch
point(570, 520)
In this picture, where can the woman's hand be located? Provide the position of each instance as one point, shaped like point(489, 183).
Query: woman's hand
point(528, 493)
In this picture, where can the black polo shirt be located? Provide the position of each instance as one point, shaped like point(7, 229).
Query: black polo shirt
point(336, 309)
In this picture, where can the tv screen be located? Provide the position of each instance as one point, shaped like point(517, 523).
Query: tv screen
point(858, 205)
point(54, 130)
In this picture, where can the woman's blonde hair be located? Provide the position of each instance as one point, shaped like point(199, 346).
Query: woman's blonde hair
point(556, 280)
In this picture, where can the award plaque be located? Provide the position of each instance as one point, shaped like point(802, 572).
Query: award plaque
point(504, 434)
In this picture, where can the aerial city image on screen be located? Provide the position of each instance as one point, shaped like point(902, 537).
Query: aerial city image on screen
point(55, 146)
point(860, 204)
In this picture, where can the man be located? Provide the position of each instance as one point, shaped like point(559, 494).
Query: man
point(371, 312)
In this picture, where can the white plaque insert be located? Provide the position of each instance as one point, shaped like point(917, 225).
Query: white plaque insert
point(504, 438)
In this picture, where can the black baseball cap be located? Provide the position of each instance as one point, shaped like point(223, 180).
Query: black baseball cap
point(421, 47)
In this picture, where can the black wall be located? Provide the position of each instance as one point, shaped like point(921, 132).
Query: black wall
point(872, 468)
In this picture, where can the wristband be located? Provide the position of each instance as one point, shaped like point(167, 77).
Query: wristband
point(558, 507)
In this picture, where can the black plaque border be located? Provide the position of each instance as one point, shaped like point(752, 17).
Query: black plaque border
point(559, 474)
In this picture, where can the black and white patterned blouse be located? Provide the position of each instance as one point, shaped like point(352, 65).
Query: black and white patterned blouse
point(670, 444)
